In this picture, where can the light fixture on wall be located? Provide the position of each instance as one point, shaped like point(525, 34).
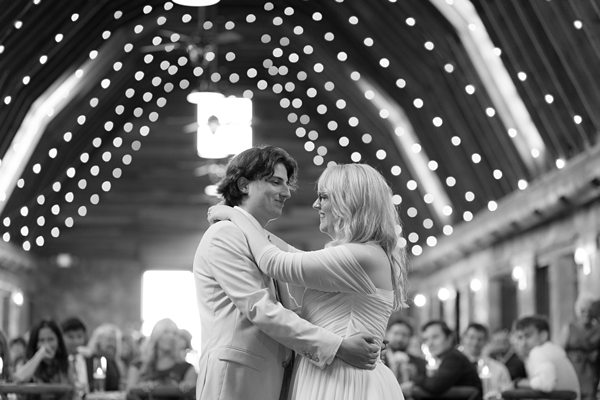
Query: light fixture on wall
point(519, 276)
point(582, 257)
point(196, 3)
point(475, 285)
point(420, 300)
point(17, 298)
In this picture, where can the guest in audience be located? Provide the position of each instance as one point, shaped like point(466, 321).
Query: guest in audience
point(75, 337)
point(451, 367)
point(47, 358)
point(406, 366)
point(161, 362)
point(103, 359)
point(493, 374)
point(130, 348)
point(547, 365)
point(581, 338)
point(18, 352)
point(184, 342)
point(501, 349)
point(5, 361)
point(74, 334)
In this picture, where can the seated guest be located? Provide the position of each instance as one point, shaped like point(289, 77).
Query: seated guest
point(18, 353)
point(493, 374)
point(103, 358)
point(47, 358)
point(161, 362)
point(501, 349)
point(75, 337)
point(5, 370)
point(547, 365)
point(581, 338)
point(452, 368)
point(405, 366)
point(130, 348)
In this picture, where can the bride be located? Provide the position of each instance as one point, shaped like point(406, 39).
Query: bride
point(352, 285)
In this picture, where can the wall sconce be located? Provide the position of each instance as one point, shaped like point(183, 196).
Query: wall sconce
point(582, 257)
point(17, 298)
point(420, 300)
point(445, 294)
point(475, 285)
point(518, 275)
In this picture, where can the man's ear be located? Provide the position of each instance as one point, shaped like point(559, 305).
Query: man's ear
point(545, 335)
point(242, 184)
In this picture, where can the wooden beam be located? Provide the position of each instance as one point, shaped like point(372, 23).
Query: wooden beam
point(13, 258)
point(542, 201)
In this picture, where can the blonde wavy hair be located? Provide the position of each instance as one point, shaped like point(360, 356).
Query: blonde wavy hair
point(149, 354)
point(363, 211)
point(103, 331)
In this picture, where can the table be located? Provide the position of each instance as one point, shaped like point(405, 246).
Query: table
point(454, 393)
point(521, 394)
point(162, 391)
point(61, 390)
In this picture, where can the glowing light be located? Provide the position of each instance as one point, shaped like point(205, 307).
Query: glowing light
point(475, 285)
point(444, 294)
point(420, 300)
point(17, 298)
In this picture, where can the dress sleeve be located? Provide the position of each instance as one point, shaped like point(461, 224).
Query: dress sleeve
point(333, 269)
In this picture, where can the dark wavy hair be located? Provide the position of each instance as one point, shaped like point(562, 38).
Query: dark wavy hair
point(254, 164)
point(538, 322)
point(60, 362)
point(443, 326)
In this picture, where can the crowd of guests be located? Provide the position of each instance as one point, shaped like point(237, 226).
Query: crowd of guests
point(105, 360)
point(434, 361)
point(427, 363)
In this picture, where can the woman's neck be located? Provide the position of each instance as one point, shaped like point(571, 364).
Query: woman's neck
point(165, 359)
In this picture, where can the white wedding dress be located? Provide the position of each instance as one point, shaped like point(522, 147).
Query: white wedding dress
point(341, 298)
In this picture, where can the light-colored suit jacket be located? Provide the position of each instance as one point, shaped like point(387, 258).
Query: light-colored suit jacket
point(245, 330)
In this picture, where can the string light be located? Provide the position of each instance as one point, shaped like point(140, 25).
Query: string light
point(296, 90)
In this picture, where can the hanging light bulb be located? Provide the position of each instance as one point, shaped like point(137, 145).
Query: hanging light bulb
point(196, 3)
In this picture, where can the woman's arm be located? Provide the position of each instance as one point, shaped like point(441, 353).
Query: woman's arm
point(189, 379)
point(256, 237)
point(133, 377)
point(25, 372)
point(333, 269)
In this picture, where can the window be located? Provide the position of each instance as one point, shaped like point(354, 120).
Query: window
point(170, 294)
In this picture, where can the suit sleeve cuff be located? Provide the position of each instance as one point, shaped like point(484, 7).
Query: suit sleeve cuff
point(328, 351)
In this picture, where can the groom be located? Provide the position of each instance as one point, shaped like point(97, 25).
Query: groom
point(246, 331)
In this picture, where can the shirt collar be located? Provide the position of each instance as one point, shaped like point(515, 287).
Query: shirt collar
point(250, 217)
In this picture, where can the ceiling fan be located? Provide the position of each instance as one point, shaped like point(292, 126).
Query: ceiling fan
point(201, 45)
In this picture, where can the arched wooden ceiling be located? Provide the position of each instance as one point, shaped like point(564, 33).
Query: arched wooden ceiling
point(115, 170)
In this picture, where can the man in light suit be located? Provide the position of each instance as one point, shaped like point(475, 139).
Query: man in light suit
point(246, 331)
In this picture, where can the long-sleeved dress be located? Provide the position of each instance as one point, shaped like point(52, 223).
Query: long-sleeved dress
point(340, 297)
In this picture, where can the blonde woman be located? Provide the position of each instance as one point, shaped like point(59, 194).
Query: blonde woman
point(352, 285)
point(161, 362)
point(104, 351)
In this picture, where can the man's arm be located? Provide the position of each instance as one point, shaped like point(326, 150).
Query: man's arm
point(245, 285)
point(541, 372)
point(444, 378)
